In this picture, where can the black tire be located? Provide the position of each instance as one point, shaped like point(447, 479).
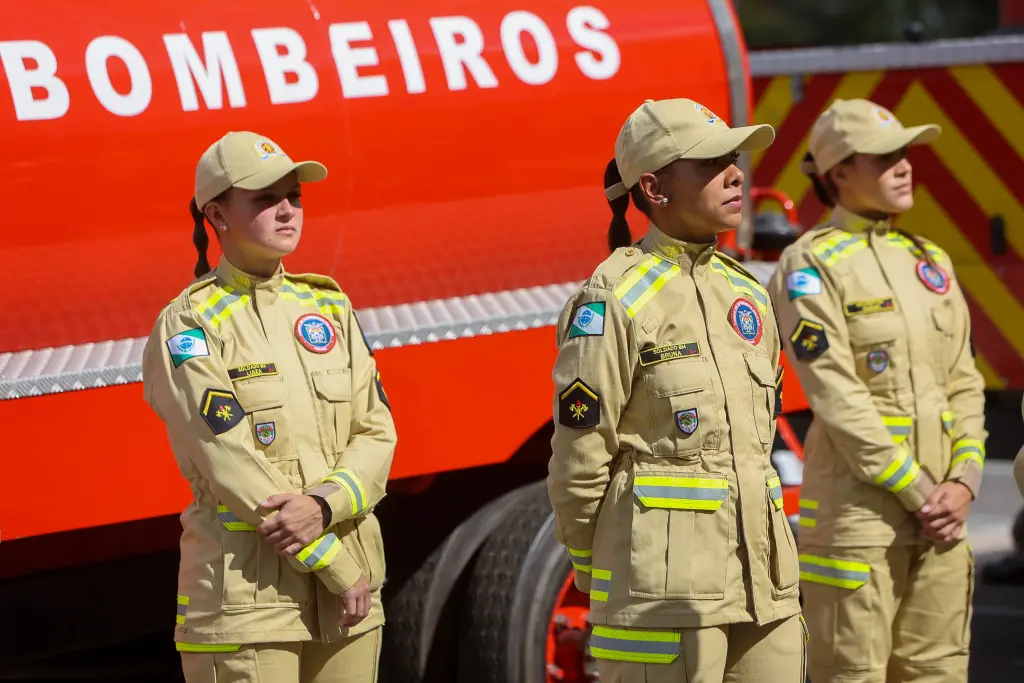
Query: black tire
point(511, 595)
point(421, 631)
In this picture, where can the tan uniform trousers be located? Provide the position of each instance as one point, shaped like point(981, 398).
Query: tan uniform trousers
point(350, 660)
point(731, 653)
point(911, 621)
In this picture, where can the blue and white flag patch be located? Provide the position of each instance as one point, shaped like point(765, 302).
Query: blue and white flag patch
point(803, 282)
point(188, 344)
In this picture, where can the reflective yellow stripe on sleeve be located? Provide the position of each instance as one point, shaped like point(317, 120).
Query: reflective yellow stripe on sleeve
point(328, 302)
point(681, 493)
point(223, 302)
point(968, 449)
point(207, 647)
point(808, 513)
point(947, 422)
point(742, 284)
point(633, 645)
point(581, 559)
point(643, 282)
point(600, 584)
point(182, 609)
point(831, 572)
point(231, 522)
point(775, 490)
point(899, 427)
point(840, 246)
point(900, 473)
point(319, 554)
point(347, 480)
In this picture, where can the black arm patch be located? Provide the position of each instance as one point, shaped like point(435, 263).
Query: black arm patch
point(221, 410)
point(380, 392)
point(809, 340)
point(579, 406)
point(778, 392)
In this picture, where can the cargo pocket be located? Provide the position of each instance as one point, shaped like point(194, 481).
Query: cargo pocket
point(877, 364)
point(683, 407)
point(263, 400)
point(763, 387)
point(837, 596)
point(679, 537)
point(334, 388)
point(783, 555)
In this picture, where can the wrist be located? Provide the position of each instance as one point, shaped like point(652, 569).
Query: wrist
point(325, 509)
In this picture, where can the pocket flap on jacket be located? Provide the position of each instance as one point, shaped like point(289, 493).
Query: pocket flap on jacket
point(260, 393)
point(669, 490)
point(760, 369)
point(333, 385)
point(679, 377)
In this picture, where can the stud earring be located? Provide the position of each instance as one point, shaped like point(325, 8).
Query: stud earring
point(223, 226)
point(663, 201)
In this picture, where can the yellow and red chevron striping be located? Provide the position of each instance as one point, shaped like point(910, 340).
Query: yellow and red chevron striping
point(974, 171)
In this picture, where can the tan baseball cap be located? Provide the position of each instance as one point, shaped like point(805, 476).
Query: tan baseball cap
point(660, 132)
point(248, 161)
point(859, 126)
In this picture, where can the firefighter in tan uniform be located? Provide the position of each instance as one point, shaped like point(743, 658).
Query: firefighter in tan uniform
point(667, 383)
point(277, 418)
point(878, 331)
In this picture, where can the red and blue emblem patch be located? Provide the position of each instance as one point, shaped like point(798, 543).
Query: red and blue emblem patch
point(745, 319)
point(933, 277)
point(315, 332)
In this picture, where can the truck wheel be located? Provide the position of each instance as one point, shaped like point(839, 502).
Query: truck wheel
point(522, 619)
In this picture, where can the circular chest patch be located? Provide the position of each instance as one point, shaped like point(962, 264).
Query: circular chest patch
point(745, 319)
point(878, 361)
point(933, 277)
point(315, 332)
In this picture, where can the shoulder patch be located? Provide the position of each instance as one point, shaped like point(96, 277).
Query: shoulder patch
point(188, 344)
point(803, 282)
point(380, 392)
point(579, 406)
point(221, 410)
point(587, 320)
point(809, 339)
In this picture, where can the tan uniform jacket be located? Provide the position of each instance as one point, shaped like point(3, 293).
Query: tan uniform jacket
point(267, 386)
point(881, 344)
point(666, 387)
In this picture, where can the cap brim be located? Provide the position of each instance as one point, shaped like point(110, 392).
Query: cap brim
point(743, 139)
point(307, 172)
point(890, 142)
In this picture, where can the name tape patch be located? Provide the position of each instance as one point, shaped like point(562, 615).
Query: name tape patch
point(252, 370)
point(670, 352)
point(869, 306)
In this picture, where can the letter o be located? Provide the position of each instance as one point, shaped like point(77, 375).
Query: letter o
point(96, 55)
point(512, 27)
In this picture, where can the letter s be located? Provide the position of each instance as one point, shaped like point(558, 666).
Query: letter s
point(586, 26)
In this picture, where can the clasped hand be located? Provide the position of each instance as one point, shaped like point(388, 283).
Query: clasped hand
point(298, 522)
point(944, 513)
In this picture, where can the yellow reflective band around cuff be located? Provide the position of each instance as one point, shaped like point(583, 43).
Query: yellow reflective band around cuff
point(600, 584)
point(968, 449)
point(231, 522)
point(775, 490)
point(947, 422)
point(207, 647)
point(581, 559)
point(808, 513)
point(347, 480)
point(899, 427)
point(643, 282)
point(681, 493)
point(318, 554)
point(633, 645)
point(182, 609)
point(900, 473)
point(831, 572)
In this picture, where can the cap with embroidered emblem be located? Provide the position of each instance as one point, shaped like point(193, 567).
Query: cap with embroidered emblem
point(855, 126)
point(660, 132)
point(248, 161)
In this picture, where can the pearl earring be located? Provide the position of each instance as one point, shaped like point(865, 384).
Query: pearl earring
point(663, 201)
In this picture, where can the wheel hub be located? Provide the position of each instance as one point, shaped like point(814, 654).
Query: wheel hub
point(568, 654)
